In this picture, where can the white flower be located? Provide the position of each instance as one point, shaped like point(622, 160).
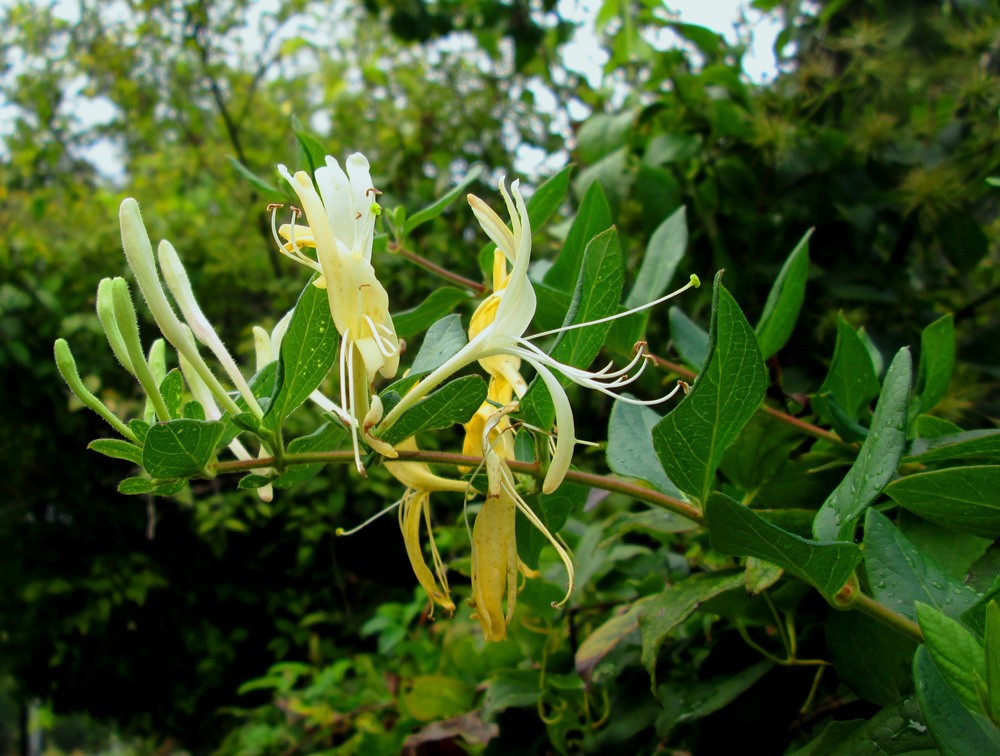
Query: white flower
point(513, 308)
point(341, 228)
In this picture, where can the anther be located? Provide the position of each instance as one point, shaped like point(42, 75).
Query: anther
point(372, 190)
point(274, 206)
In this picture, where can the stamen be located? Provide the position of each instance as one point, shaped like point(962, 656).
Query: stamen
point(354, 411)
point(369, 521)
point(693, 283)
point(386, 351)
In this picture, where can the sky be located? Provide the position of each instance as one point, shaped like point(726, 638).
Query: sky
point(582, 54)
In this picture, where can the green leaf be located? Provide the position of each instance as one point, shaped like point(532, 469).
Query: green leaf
point(600, 643)
point(896, 730)
point(852, 378)
point(313, 150)
point(977, 444)
point(443, 340)
point(877, 461)
point(871, 657)
point(691, 700)
point(691, 440)
point(117, 449)
point(955, 652)
point(261, 185)
point(992, 661)
point(784, 300)
point(553, 510)
point(630, 449)
point(136, 486)
point(437, 207)
point(180, 448)
point(140, 428)
point(759, 452)
point(597, 293)
point(172, 391)
point(664, 253)
point(593, 217)
point(937, 361)
point(307, 352)
point(956, 730)
point(253, 481)
point(661, 615)
point(438, 304)
point(455, 403)
point(690, 339)
point(960, 498)
point(900, 575)
point(602, 134)
point(739, 531)
point(433, 697)
point(193, 411)
point(328, 437)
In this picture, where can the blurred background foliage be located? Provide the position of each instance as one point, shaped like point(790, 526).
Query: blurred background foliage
point(879, 130)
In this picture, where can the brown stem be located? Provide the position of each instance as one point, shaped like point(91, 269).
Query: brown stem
point(808, 428)
point(436, 269)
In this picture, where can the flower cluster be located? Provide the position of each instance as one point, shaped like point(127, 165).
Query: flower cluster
point(340, 209)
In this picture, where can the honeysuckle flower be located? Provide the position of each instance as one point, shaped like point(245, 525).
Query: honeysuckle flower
point(495, 563)
point(420, 482)
point(341, 228)
point(499, 332)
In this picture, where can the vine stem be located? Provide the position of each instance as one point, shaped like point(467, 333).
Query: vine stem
point(883, 614)
point(808, 428)
point(437, 270)
point(605, 483)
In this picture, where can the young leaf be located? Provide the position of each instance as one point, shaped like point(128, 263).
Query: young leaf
point(439, 303)
point(117, 449)
point(180, 448)
point(739, 531)
point(327, 437)
point(664, 612)
point(877, 461)
point(690, 339)
point(977, 444)
point(307, 352)
point(630, 449)
point(263, 186)
point(437, 207)
point(852, 378)
point(937, 361)
point(455, 403)
point(691, 440)
point(172, 391)
point(955, 652)
point(593, 217)
point(955, 729)
point(960, 498)
point(442, 340)
point(900, 575)
point(784, 301)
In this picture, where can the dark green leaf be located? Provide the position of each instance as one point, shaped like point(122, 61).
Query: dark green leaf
point(253, 481)
point(784, 300)
point(308, 349)
point(739, 531)
point(136, 486)
point(759, 452)
point(442, 341)
point(877, 461)
point(603, 133)
point(937, 361)
point(455, 403)
point(852, 378)
point(992, 661)
point(977, 444)
point(599, 643)
point(437, 207)
point(961, 498)
point(553, 510)
point(193, 411)
point(438, 304)
point(688, 701)
point(896, 730)
point(180, 448)
point(630, 449)
point(665, 611)
point(118, 449)
point(956, 730)
point(955, 652)
point(691, 440)
point(140, 428)
point(664, 253)
point(593, 217)
point(900, 575)
point(313, 150)
point(871, 657)
point(329, 437)
point(690, 339)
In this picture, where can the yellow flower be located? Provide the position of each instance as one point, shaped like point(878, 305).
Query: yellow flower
point(341, 228)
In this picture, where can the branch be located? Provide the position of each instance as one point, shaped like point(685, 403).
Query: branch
point(436, 269)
